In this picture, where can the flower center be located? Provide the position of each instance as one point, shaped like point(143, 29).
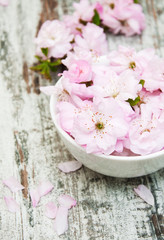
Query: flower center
point(111, 5)
point(99, 125)
point(132, 65)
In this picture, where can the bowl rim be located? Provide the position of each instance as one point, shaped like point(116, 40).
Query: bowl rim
point(110, 157)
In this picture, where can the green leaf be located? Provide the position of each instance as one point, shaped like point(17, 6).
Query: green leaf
point(39, 58)
point(133, 102)
point(142, 82)
point(96, 18)
point(45, 51)
point(136, 1)
point(56, 63)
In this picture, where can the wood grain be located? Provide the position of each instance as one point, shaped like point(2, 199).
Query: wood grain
point(31, 149)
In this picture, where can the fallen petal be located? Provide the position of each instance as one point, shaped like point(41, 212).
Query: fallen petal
point(66, 201)
point(35, 197)
point(4, 3)
point(143, 192)
point(44, 188)
point(49, 90)
point(50, 210)
point(70, 166)
point(11, 204)
point(61, 220)
point(13, 184)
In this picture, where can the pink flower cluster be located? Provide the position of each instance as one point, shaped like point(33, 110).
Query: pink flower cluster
point(80, 30)
point(114, 103)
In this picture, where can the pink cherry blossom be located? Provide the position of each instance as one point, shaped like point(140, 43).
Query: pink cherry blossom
point(145, 130)
point(124, 17)
point(84, 10)
point(121, 87)
point(153, 74)
point(92, 39)
point(79, 71)
point(56, 37)
point(100, 128)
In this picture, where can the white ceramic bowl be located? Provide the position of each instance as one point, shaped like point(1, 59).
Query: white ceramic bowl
point(116, 166)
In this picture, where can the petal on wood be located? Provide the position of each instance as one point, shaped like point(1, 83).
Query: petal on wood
point(11, 204)
point(13, 184)
point(4, 3)
point(44, 188)
point(70, 166)
point(66, 201)
point(49, 90)
point(61, 220)
point(50, 210)
point(35, 197)
point(143, 192)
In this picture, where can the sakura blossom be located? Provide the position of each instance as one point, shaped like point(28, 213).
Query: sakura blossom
point(113, 104)
point(93, 39)
point(56, 37)
point(98, 129)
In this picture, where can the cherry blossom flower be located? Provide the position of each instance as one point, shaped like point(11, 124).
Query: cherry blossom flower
point(121, 87)
point(99, 128)
point(56, 37)
point(124, 17)
point(144, 131)
point(79, 72)
point(84, 10)
point(92, 39)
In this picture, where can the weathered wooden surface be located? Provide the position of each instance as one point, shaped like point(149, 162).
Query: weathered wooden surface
point(30, 148)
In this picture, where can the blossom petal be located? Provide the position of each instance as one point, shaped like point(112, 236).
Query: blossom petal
point(61, 220)
point(11, 204)
point(143, 192)
point(35, 197)
point(70, 166)
point(49, 90)
point(13, 184)
point(4, 3)
point(44, 188)
point(50, 210)
point(66, 201)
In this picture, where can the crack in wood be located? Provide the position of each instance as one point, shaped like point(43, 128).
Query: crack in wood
point(26, 76)
point(22, 158)
point(158, 223)
point(24, 181)
point(36, 84)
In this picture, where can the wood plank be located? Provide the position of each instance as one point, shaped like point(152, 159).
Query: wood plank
point(31, 149)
